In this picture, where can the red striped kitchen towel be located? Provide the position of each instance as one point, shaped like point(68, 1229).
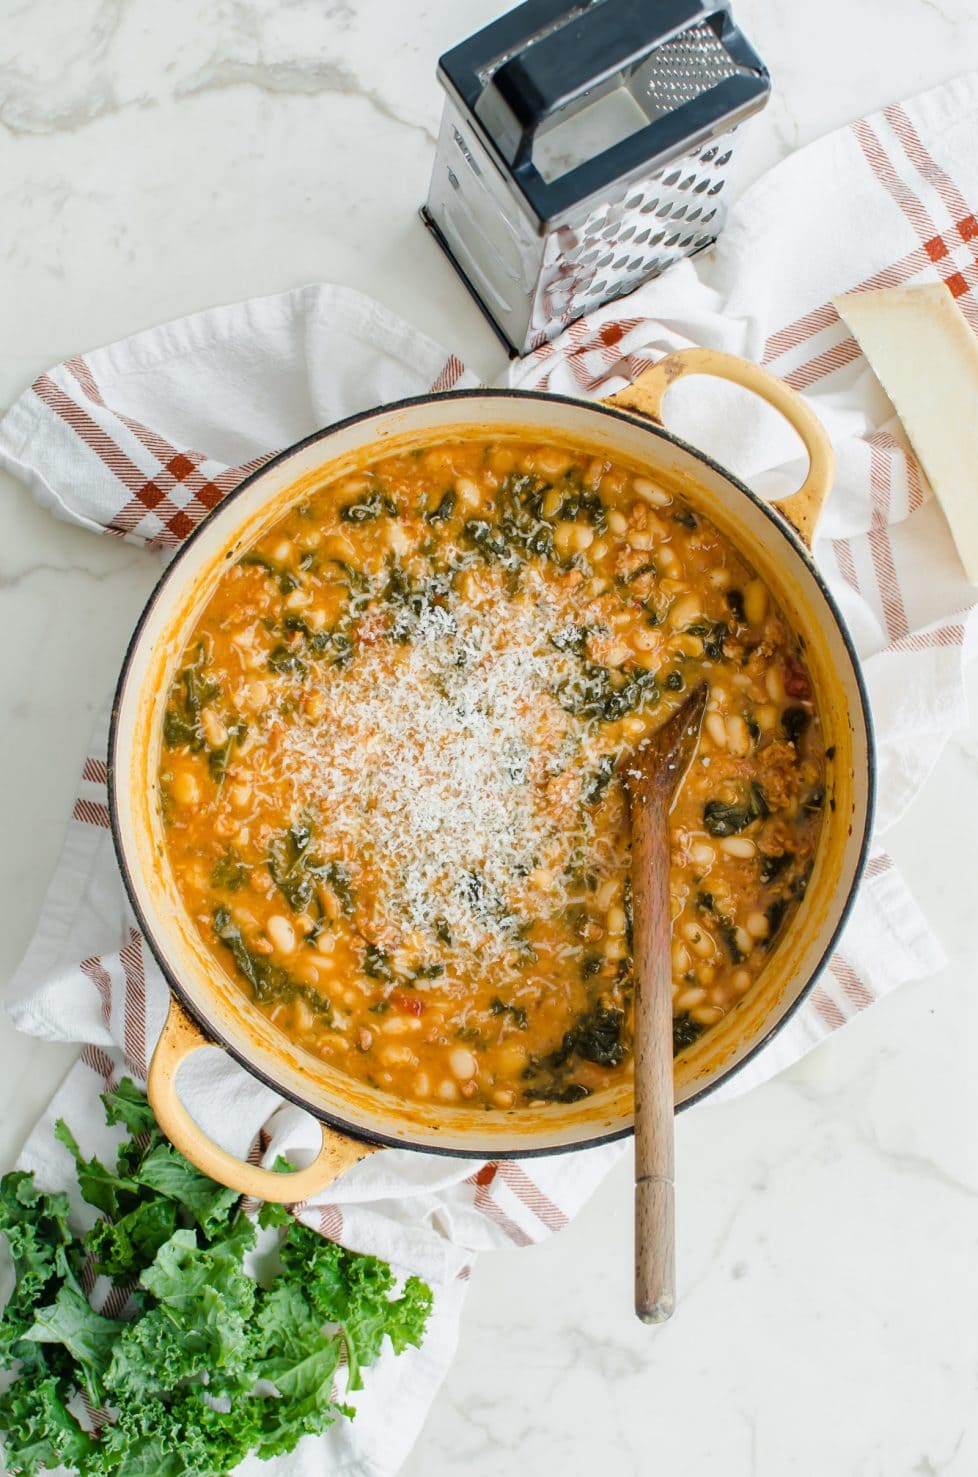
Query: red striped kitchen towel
point(142, 438)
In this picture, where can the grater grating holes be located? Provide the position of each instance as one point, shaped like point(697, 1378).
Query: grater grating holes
point(682, 69)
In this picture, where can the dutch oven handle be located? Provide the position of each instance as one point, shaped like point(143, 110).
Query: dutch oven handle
point(180, 1039)
point(802, 509)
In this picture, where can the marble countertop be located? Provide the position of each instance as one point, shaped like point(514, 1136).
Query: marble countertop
point(157, 159)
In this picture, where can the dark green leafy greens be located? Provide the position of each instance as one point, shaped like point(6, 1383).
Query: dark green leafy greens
point(206, 1364)
point(268, 981)
point(192, 691)
point(721, 819)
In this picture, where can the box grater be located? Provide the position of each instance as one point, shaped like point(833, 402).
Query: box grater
point(583, 149)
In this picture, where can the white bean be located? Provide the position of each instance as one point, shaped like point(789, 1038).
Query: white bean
point(755, 602)
point(185, 789)
point(650, 492)
point(680, 958)
point(214, 731)
point(717, 729)
point(774, 682)
point(615, 921)
point(757, 926)
point(462, 1063)
point(606, 894)
point(739, 846)
point(687, 609)
point(281, 934)
point(738, 737)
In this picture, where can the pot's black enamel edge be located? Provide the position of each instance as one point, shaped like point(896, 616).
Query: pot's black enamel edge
point(783, 528)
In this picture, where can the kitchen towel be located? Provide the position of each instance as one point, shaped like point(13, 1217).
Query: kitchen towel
point(139, 440)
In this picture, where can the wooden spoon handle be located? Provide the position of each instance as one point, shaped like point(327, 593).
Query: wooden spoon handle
point(655, 1250)
point(655, 1228)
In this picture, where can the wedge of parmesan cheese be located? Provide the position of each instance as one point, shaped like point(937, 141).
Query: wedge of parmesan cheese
point(926, 358)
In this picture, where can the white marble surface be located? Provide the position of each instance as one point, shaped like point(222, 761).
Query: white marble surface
point(156, 159)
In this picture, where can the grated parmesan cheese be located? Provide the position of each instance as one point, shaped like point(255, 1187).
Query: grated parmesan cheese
point(439, 767)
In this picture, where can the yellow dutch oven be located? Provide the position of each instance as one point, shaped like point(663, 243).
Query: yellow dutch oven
point(208, 1007)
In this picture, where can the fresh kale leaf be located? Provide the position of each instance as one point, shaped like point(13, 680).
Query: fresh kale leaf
point(207, 1364)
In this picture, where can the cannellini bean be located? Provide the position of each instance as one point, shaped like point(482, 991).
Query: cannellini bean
point(774, 682)
point(740, 981)
point(398, 1056)
point(599, 548)
point(284, 551)
point(652, 494)
point(552, 503)
point(680, 958)
point(606, 894)
point(302, 1016)
point(185, 789)
point(617, 522)
point(397, 537)
point(717, 729)
point(686, 610)
point(766, 717)
point(703, 946)
point(447, 1091)
point(616, 654)
point(738, 846)
point(702, 855)
point(744, 941)
point(666, 556)
point(468, 492)
point(720, 578)
point(757, 926)
point(422, 1085)
point(462, 1063)
point(706, 1015)
point(615, 920)
point(615, 948)
point(634, 727)
point(639, 540)
point(400, 1025)
point(643, 638)
point(582, 538)
point(551, 461)
point(280, 933)
point(541, 878)
point(214, 731)
point(755, 601)
point(503, 1098)
point(240, 796)
point(688, 999)
point(297, 599)
point(738, 737)
point(511, 1058)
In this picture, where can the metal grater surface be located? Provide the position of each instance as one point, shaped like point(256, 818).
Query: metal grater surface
point(680, 70)
point(539, 247)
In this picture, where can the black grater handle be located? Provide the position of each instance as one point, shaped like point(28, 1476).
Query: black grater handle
point(575, 62)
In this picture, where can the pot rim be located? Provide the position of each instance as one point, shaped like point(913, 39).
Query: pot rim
point(797, 547)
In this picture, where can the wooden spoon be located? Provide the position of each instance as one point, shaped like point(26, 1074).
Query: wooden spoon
point(651, 778)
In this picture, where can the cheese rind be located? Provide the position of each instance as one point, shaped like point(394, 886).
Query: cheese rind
point(925, 356)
